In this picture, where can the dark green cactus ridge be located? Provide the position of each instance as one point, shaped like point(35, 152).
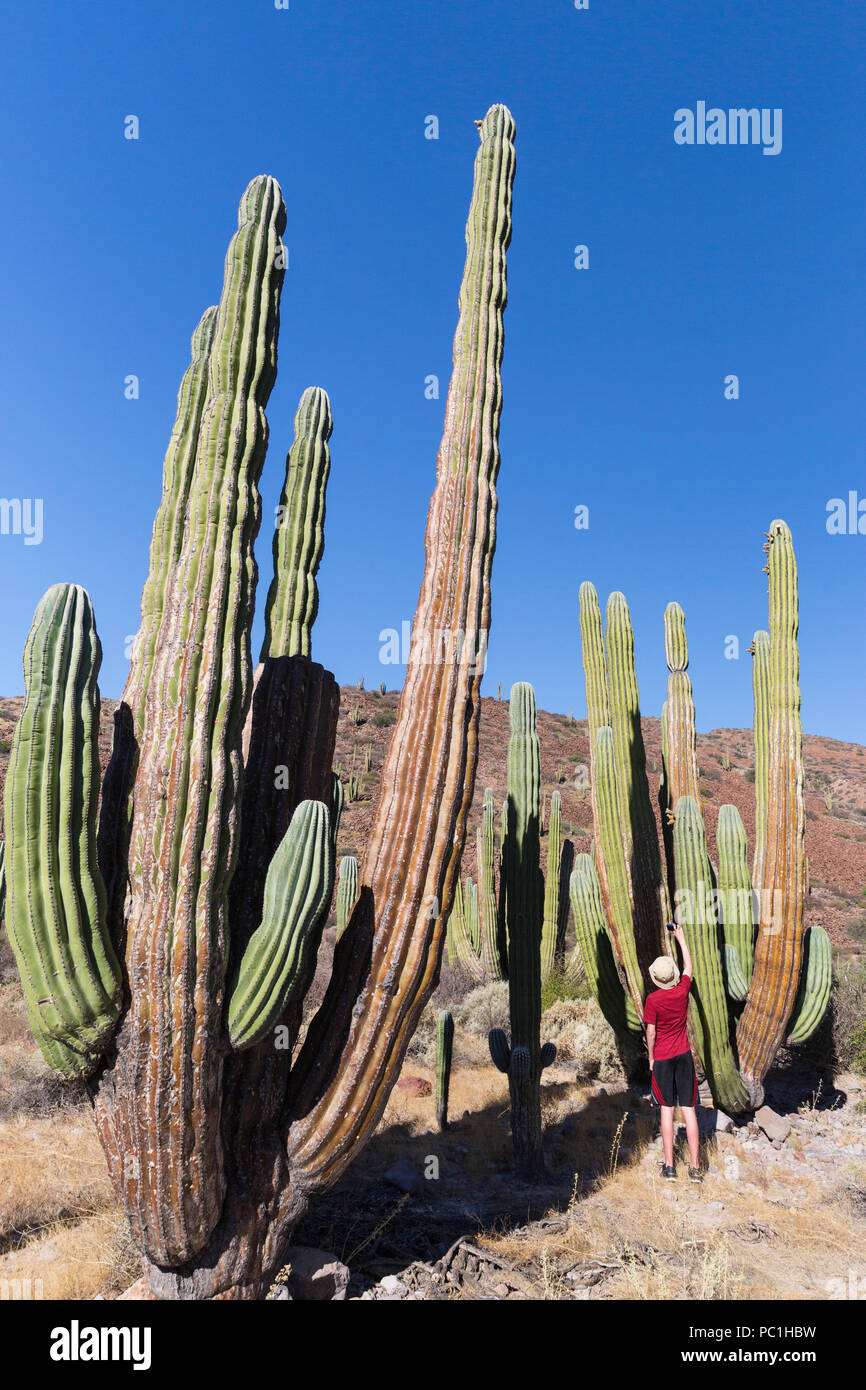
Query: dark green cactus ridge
point(56, 913)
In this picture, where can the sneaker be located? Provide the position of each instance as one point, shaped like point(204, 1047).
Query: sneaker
point(695, 1175)
point(669, 1172)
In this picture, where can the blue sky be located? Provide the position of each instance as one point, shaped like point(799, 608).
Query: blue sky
point(704, 261)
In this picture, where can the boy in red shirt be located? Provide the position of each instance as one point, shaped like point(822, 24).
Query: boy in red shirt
point(673, 1071)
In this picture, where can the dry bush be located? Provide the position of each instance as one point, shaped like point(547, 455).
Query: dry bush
point(484, 1008)
point(599, 1051)
point(848, 1006)
point(29, 1087)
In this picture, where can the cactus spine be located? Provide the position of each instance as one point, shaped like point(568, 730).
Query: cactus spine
point(444, 1048)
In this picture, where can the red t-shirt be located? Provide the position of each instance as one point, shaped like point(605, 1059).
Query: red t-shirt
point(667, 1009)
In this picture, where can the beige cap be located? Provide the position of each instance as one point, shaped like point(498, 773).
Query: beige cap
point(664, 973)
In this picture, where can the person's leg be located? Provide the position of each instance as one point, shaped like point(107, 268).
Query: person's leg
point(668, 1134)
point(692, 1134)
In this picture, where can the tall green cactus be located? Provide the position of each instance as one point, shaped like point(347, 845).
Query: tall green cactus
point(219, 884)
point(444, 1049)
point(750, 993)
point(762, 1026)
point(627, 860)
point(523, 1061)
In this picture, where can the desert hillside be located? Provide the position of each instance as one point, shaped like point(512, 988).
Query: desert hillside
point(835, 790)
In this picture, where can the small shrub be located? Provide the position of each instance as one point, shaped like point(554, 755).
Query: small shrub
point(848, 1005)
point(749, 774)
point(564, 982)
point(484, 1008)
point(857, 1048)
point(384, 718)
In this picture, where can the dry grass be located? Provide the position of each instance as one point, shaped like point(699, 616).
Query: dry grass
point(60, 1223)
point(51, 1168)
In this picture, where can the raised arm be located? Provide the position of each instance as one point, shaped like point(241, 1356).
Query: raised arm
point(687, 960)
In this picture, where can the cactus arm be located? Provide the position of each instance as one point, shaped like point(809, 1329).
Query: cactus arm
point(761, 675)
point(681, 759)
point(815, 987)
point(299, 538)
point(500, 1051)
point(708, 1006)
point(779, 951)
point(347, 891)
point(56, 914)
point(444, 1048)
point(162, 1133)
point(297, 892)
point(550, 931)
point(612, 867)
point(735, 975)
point(494, 965)
point(428, 776)
point(594, 662)
point(735, 895)
point(595, 949)
point(167, 539)
point(2, 879)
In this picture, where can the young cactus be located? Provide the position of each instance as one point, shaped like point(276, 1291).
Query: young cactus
point(444, 1048)
point(347, 891)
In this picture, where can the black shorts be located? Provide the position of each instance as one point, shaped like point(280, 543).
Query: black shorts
point(674, 1081)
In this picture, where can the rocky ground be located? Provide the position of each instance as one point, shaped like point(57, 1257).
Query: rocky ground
point(781, 1212)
